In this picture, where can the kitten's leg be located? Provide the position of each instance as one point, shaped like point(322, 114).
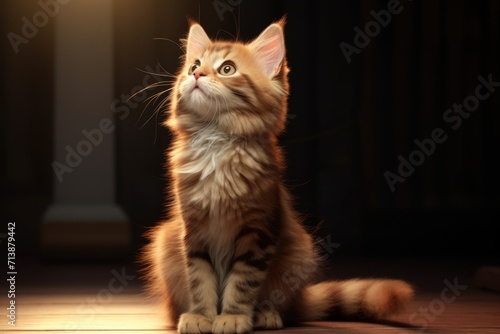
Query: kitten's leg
point(167, 269)
point(254, 250)
point(203, 294)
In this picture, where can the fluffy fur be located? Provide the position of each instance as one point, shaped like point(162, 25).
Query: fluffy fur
point(233, 254)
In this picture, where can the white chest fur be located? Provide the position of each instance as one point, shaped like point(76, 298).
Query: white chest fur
point(224, 167)
point(204, 152)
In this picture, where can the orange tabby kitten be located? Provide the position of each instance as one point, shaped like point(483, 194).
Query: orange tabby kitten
point(233, 255)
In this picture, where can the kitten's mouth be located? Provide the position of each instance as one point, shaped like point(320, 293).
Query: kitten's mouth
point(198, 89)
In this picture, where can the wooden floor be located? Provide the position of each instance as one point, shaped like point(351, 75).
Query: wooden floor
point(106, 298)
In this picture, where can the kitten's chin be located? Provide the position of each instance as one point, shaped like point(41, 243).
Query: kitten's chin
point(197, 99)
point(197, 102)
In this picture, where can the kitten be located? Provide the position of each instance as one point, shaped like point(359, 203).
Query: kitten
point(233, 254)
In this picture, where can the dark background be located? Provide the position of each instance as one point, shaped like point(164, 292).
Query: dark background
point(348, 122)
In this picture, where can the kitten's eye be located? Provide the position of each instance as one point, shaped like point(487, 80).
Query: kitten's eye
point(194, 66)
point(227, 68)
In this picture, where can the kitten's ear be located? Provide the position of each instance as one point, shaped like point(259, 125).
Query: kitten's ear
point(197, 42)
point(270, 49)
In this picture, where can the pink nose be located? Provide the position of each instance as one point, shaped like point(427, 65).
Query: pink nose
point(198, 74)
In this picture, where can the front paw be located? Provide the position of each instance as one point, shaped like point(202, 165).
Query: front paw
point(268, 320)
point(194, 323)
point(226, 323)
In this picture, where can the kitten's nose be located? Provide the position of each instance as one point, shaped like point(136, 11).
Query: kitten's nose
point(198, 74)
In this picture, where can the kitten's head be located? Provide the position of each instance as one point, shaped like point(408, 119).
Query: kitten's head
point(237, 88)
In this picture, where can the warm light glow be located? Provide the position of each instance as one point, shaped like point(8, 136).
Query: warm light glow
point(96, 310)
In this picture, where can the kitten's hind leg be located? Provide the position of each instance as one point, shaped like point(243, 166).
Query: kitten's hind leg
point(167, 269)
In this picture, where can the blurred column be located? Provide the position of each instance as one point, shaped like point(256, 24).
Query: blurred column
point(84, 221)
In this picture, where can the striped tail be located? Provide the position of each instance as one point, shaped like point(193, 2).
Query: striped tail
point(356, 298)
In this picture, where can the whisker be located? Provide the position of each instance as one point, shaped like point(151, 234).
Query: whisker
point(164, 70)
point(153, 85)
point(225, 31)
point(155, 97)
point(151, 99)
point(168, 74)
point(157, 110)
point(163, 104)
point(150, 117)
point(169, 40)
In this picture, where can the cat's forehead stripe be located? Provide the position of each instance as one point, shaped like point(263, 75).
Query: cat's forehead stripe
point(221, 47)
point(221, 50)
point(217, 55)
point(216, 59)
